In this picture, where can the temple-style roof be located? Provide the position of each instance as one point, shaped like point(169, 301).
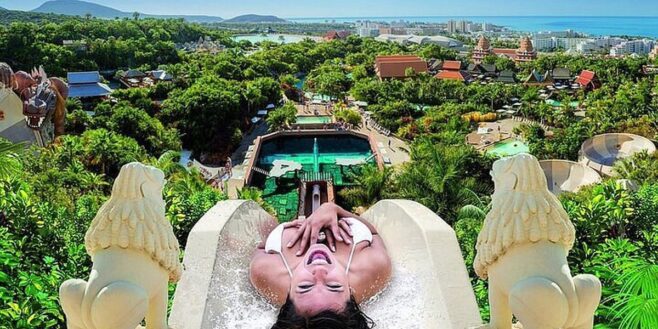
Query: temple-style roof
point(83, 77)
point(133, 74)
point(526, 45)
point(507, 76)
point(534, 77)
point(452, 65)
point(161, 75)
point(86, 84)
point(483, 43)
point(481, 68)
point(588, 79)
point(453, 75)
point(396, 66)
point(561, 73)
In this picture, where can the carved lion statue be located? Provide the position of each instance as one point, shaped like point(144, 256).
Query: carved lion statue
point(522, 250)
point(135, 254)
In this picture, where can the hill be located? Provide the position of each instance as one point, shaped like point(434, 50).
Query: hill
point(82, 8)
point(8, 16)
point(255, 19)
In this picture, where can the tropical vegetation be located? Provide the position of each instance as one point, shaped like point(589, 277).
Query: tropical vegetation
point(48, 196)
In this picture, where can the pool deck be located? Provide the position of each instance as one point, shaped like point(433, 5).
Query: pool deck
point(498, 131)
point(397, 153)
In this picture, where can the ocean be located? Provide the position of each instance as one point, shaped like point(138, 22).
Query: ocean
point(593, 25)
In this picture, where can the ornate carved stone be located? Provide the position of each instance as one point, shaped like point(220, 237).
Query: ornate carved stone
point(522, 250)
point(135, 255)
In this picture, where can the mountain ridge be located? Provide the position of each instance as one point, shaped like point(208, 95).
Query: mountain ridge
point(82, 8)
point(253, 18)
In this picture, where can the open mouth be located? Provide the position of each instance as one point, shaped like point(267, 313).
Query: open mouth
point(34, 122)
point(318, 257)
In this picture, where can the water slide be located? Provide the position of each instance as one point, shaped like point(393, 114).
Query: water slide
point(568, 176)
point(430, 287)
point(602, 151)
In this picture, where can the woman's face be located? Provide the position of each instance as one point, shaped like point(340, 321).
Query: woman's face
point(319, 283)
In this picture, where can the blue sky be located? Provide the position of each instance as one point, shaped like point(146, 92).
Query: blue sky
point(346, 8)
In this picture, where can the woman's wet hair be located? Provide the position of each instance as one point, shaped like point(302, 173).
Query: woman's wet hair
point(350, 318)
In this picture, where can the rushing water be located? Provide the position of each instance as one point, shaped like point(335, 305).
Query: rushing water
point(396, 307)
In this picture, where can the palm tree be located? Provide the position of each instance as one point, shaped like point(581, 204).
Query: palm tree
point(370, 186)
point(10, 163)
point(435, 178)
point(637, 302)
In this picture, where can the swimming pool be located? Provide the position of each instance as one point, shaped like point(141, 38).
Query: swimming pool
point(313, 119)
point(316, 154)
point(300, 150)
point(508, 147)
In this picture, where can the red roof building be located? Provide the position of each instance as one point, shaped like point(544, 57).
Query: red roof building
point(588, 80)
point(451, 70)
point(452, 65)
point(454, 75)
point(336, 35)
point(396, 66)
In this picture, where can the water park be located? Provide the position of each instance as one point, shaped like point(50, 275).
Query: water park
point(299, 170)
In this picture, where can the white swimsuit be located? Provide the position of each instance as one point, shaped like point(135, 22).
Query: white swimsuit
point(360, 233)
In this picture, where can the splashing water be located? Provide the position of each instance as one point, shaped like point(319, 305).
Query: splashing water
point(244, 308)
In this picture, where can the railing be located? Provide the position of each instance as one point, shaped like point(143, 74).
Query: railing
point(260, 170)
point(316, 176)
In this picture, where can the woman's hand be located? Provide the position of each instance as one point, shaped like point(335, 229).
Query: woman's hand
point(325, 217)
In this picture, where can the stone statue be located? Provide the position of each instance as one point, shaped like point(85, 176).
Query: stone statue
point(135, 254)
point(522, 250)
point(44, 102)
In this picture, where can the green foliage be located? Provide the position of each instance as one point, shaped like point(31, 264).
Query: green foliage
point(208, 113)
point(350, 116)
point(136, 123)
point(371, 185)
point(282, 117)
point(9, 158)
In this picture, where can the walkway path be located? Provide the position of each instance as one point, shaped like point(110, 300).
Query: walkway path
point(397, 151)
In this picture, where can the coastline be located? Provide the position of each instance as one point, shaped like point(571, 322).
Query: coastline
point(644, 26)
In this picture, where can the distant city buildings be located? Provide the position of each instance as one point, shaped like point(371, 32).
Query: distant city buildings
point(462, 27)
point(630, 47)
point(368, 29)
point(569, 41)
point(524, 53)
point(654, 52)
point(421, 40)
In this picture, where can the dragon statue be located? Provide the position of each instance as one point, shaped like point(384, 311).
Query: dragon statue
point(522, 250)
point(42, 105)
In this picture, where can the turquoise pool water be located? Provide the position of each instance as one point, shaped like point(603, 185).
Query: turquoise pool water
point(300, 150)
point(555, 103)
point(308, 119)
point(278, 38)
point(508, 147)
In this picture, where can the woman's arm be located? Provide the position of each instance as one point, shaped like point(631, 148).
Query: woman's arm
point(342, 213)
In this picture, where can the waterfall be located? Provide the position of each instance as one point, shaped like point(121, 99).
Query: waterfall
point(316, 160)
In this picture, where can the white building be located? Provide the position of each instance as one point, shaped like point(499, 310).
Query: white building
point(452, 27)
point(542, 42)
point(637, 47)
point(421, 40)
point(367, 29)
